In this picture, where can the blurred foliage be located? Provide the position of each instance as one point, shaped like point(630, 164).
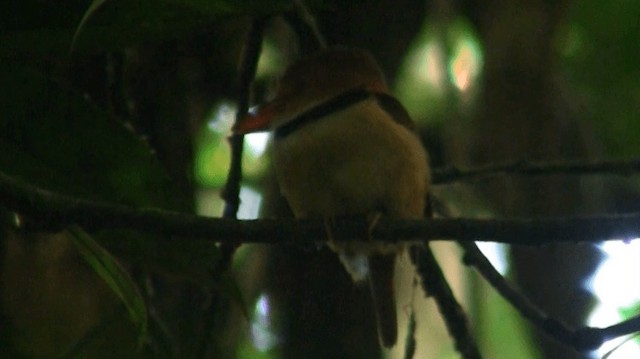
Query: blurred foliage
point(631, 311)
point(212, 158)
point(58, 139)
point(439, 59)
point(501, 329)
point(600, 59)
point(212, 153)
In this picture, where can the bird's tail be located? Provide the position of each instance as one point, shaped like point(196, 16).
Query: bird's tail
point(381, 272)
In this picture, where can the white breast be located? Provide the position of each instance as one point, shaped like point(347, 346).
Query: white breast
point(355, 161)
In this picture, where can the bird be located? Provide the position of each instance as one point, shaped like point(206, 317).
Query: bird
point(342, 145)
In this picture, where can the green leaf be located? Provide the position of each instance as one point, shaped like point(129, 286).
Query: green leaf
point(57, 139)
point(116, 277)
point(630, 311)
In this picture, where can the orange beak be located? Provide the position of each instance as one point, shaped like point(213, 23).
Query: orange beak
point(258, 121)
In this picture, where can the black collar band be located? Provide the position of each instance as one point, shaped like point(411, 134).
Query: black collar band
point(317, 112)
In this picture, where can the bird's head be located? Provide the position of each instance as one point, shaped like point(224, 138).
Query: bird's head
point(312, 81)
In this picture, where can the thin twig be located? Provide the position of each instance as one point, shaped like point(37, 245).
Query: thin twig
point(247, 71)
point(231, 192)
point(631, 325)
point(410, 340)
point(608, 354)
point(435, 284)
point(610, 167)
point(583, 339)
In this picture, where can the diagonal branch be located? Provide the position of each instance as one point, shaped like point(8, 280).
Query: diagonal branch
point(583, 339)
point(435, 284)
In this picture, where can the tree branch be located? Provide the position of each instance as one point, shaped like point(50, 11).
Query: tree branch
point(613, 167)
point(435, 284)
point(583, 339)
point(55, 211)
